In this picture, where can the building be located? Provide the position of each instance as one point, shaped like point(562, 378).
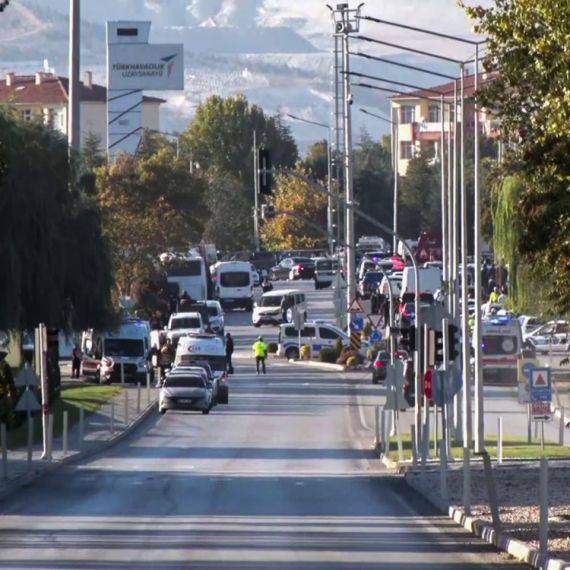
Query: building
point(417, 115)
point(46, 96)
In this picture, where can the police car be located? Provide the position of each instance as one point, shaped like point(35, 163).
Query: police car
point(319, 333)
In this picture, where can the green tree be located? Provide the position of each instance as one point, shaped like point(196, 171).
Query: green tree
point(92, 154)
point(528, 47)
point(316, 162)
point(149, 207)
point(152, 142)
point(52, 252)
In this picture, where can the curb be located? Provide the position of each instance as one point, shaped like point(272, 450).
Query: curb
point(501, 540)
point(27, 478)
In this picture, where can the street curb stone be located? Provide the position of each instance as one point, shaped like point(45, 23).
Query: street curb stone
point(27, 478)
point(501, 540)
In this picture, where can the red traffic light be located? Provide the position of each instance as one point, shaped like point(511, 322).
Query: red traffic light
point(428, 384)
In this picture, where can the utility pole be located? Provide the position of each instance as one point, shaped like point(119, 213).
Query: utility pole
point(479, 400)
point(256, 195)
point(74, 109)
point(396, 160)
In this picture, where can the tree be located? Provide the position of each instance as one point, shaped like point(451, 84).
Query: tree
point(286, 232)
point(230, 223)
point(373, 183)
point(149, 207)
point(527, 51)
point(52, 252)
point(92, 155)
point(317, 160)
point(152, 142)
point(221, 137)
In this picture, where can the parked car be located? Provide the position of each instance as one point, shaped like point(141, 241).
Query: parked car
point(305, 270)
point(186, 390)
point(283, 270)
point(255, 276)
point(216, 317)
point(379, 369)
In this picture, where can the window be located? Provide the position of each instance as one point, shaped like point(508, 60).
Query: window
point(180, 268)
point(235, 279)
point(185, 323)
point(406, 150)
point(434, 115)
point(407, 114)
point(328, 334)
point(27, 115)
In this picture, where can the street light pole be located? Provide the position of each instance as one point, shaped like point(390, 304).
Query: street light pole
point(74, 109)
point(256, 195)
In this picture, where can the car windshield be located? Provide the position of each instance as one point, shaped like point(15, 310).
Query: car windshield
point(215, 363)
point(213, 311)
point(133, 347)
point(326, 265)
point(235, 279)
point(203, 365)
point(270, 301)
point(383, 355)
point(373, 277)
point(185, 323)
point(179, 381)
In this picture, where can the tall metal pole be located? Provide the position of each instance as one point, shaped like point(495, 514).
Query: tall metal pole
point(396, 158)
point(256, 195)
point(74, 109)
point(444, 242)
point(330, 202)
point(465, 311)
point(479, 402)
point(349, 232)
point(450, 291)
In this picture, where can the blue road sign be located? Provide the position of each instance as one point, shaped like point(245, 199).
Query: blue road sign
point(376, 336)
point(541, 385)
point(357, 324)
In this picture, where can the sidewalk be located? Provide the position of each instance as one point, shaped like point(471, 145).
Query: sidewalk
point(97, 436)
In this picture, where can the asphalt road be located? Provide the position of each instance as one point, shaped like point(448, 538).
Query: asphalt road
point(281, 478)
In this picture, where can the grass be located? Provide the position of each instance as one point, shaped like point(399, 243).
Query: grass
point(73, 397)
point(512, 447)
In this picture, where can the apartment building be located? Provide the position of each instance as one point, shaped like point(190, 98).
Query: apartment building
point(417, 115)
point(45, 96)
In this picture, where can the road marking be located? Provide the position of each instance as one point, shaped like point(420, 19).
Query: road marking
point(299, 483)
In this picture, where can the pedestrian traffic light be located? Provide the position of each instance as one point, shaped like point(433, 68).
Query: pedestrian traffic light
point(265, 178)
point(408, 339)
point(438, 347)
point(453, 342)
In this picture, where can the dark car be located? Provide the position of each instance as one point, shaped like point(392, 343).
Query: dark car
point(305, 270)
point(369, 283)
point(283, 270)
point(381, 363)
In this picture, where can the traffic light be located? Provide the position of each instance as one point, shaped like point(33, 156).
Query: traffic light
point(453, 342)
point(408, 339)
point(438, 347)
point(265, 178)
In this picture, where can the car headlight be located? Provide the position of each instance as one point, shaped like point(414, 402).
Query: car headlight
point(141, 364)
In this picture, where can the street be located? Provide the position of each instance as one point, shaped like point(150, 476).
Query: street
point(282, 477)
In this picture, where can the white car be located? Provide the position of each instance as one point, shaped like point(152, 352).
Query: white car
point(255, 277)
point(180, 324)
point(186, 390)
point(216, 317)
point(554, 335)
point(529, 324)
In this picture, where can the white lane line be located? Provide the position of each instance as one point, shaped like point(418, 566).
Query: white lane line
point(299, 483)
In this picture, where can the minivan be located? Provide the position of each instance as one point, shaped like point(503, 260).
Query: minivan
point(268, 309)
point(325, 270)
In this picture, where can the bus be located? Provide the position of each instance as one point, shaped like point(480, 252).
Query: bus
point(188, 273)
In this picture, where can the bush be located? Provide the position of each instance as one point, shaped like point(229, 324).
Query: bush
point(305, 352)
point(8, 395)
point(351, 362)
point(347, 354)
point(328, 355)
point(338, 347)
point(272, 348)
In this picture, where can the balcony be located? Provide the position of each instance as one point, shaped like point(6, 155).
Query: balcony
point(426, 131)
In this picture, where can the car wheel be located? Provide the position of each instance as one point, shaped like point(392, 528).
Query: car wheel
point(249, 306)
point(374, 380)
point(162, 410)
point(305, 316)
point(256, 325)
point(292, 353)
point(206, 412)
point(317, 286)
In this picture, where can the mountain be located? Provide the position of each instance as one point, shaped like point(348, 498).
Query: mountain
point(278, 54)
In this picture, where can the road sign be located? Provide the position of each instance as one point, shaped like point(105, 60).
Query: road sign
point(355, 340)
point(27, 377)
point(376, 336)
point(541, 411)
point(375, 320)
point(28, 402)
point(525, 367)
point(355, 308)
point(299, 320)
point(338, 282)
point(357, 324)
point(541, 385)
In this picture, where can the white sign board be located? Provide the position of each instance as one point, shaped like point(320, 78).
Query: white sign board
point(541, 411)
point(157, 67)
point(355, 308)
point(375, 320)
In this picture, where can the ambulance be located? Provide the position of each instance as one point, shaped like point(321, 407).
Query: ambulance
point(502, 345)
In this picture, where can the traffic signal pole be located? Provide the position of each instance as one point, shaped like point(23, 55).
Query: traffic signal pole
point(256, 195)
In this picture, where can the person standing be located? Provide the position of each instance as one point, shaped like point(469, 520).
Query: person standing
point(229, 352)
point(260, 351)
point(166, 358)
point(76, 358)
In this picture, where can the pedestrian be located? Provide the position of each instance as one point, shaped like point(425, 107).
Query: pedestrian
point(76, 358)
point(494, 296)
point(503, 296)
point(155, 321)
point(166, 358)
point(229, 352)
point(260, 351)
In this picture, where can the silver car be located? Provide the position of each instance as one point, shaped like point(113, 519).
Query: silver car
point(186, 390)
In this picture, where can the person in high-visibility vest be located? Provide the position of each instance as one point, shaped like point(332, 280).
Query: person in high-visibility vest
point(166, 358)
point(260, 351)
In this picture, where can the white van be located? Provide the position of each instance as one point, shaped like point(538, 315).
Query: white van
point(197, 348)
point(268, 310)
point(319, 333)
point(431, 280)
point(234, 284)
